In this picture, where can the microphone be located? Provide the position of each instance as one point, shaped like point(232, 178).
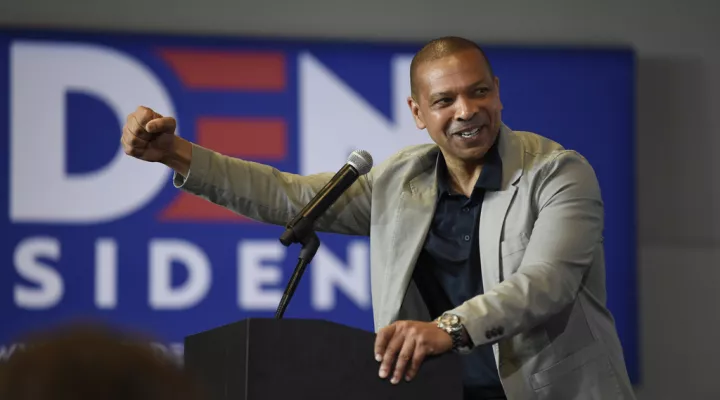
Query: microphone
point(359, 163)
point(300, 229)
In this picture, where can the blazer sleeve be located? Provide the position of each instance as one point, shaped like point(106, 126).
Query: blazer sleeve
point(265, 194)
point(564, 240)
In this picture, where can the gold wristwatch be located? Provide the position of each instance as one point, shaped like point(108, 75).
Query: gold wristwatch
point(452, 324)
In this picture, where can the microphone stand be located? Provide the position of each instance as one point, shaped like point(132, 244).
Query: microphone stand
point(301, 232)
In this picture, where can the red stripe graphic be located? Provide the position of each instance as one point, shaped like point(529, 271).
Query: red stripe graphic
point(259, 139)
point(228, 70)
point(190, 208)
point(256, 138)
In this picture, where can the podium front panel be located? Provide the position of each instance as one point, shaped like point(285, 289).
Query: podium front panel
point(294, 358)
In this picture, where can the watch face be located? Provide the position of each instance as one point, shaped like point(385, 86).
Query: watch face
point(450, 322)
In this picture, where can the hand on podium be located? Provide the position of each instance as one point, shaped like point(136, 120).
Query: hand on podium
point(409, 342)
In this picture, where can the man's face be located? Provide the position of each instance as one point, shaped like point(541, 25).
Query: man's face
point(458, 102)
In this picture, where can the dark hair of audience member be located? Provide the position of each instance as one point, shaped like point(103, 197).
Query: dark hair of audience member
point(88, 362)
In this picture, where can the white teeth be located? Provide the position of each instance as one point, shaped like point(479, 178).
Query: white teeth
point(470, 134)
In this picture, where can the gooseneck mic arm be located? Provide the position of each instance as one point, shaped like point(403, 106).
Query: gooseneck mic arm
point(301, 229)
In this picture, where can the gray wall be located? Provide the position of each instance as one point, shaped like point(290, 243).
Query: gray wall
point(679, 63)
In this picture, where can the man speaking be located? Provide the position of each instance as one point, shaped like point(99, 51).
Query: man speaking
point(487, 243)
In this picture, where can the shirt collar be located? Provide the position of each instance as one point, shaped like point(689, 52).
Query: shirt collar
point(490, 178)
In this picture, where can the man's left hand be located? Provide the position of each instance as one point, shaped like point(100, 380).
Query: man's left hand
point(409, 342)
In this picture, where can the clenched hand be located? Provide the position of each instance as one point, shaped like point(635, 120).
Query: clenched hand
point(149, 136)
point(408, 342)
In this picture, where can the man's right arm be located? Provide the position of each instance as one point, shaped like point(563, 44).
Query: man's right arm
point(264, 193)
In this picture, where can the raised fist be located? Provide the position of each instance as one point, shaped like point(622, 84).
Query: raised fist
point(148, 135)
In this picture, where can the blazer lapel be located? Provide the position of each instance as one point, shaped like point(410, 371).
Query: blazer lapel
point(496, 205)
point(413, 218)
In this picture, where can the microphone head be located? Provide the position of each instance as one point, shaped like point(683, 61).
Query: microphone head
point(361, 160)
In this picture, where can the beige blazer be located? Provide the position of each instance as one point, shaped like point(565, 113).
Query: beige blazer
point(541, 249)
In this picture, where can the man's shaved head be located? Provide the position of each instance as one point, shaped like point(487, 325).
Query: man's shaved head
point(439, 48)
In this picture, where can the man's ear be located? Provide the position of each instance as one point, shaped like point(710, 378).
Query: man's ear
point(416, 113)
point(497, 89)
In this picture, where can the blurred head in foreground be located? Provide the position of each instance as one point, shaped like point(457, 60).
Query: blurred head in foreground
point(91, 362)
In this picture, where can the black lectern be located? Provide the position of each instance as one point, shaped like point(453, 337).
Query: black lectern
point(306, 359)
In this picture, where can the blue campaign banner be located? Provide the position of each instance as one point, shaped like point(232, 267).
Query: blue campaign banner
point(90, 232)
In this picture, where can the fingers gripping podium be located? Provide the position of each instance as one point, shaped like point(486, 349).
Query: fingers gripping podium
point(314, 359)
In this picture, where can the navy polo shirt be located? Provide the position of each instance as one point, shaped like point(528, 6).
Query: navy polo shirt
point(448, 271)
